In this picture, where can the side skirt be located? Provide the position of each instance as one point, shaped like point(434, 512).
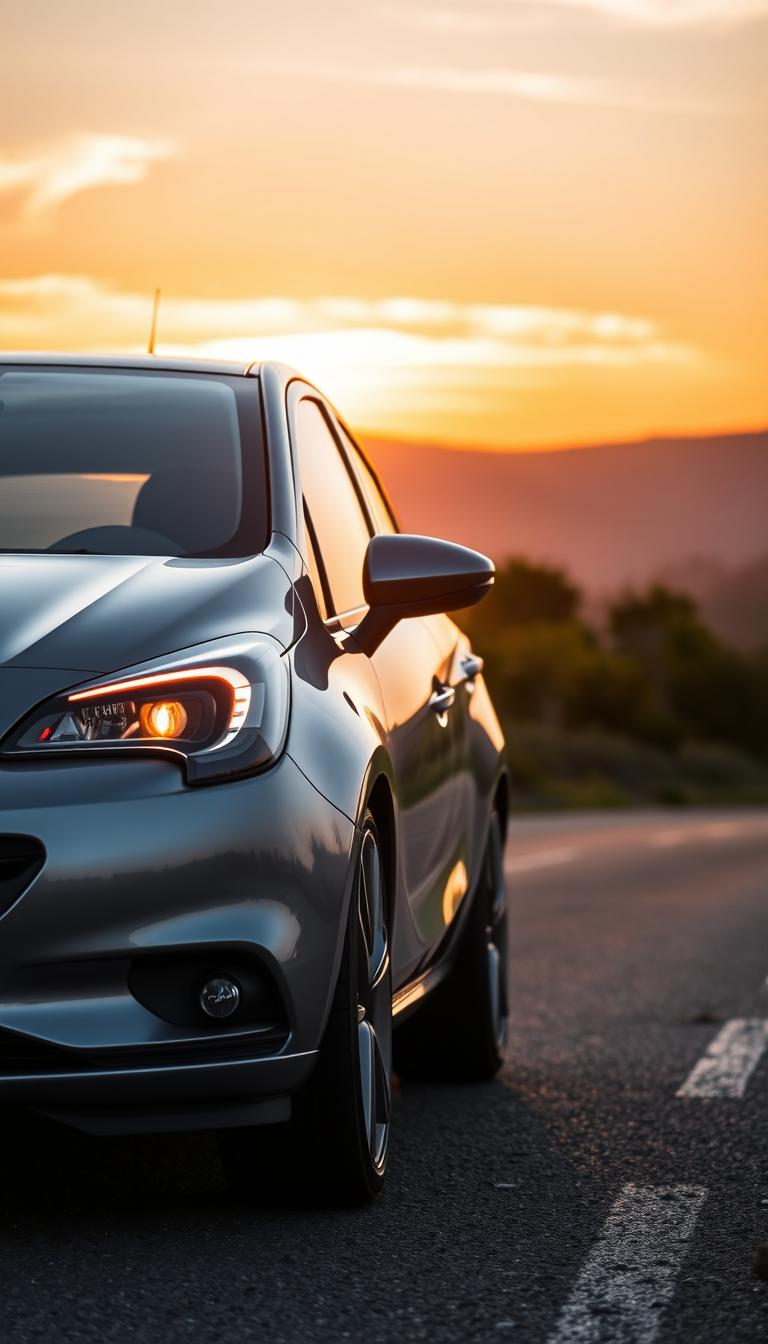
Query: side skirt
point(407, 998)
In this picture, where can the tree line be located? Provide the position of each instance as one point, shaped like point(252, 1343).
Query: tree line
point(649, 671)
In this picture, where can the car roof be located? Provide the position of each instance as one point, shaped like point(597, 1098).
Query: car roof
point(173, 364)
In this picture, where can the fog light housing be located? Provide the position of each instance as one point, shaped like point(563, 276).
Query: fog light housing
point(220, 997)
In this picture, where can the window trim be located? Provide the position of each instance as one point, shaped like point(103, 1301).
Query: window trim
point(322, 574)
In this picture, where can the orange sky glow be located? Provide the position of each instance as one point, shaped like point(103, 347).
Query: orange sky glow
point(502, 223)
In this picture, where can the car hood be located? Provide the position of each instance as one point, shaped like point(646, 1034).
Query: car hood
point(65, 618)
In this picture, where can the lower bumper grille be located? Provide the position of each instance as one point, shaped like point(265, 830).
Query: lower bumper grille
point(21, 858)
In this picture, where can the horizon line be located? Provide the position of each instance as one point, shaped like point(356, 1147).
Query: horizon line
point(548, 449)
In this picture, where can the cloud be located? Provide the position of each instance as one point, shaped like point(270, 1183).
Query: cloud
point(541, 87)
point(669, 13)
point(527, 85)
point(537, 87)
point(488, 16)
point(80, 164)
point(396, 365)
point(50, 310)
point(531, 85)
point(493, 15)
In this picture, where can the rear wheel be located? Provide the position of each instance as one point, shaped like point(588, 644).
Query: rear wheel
point(460, 1032)
point(336, 1145)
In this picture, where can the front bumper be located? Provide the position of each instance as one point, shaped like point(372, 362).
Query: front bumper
point(140, 870)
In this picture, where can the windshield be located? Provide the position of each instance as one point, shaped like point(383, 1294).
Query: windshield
point(129, 463)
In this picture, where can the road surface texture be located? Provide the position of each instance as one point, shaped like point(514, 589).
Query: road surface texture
point(611, 1185)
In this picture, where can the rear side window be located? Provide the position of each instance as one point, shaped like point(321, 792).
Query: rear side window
point(333, 505)
point(377, 505)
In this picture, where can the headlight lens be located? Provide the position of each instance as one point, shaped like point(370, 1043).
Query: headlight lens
point(221, 718)
point(138, 719)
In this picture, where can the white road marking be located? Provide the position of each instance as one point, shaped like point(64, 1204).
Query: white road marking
point(672, 836)
point(668, 839)
point(545, 858)
point(629, 1276)
point(723, 830)
point(729, 1060)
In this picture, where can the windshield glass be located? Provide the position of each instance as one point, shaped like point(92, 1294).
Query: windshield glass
point(128, 463)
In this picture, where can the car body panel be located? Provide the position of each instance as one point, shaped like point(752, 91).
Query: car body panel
point(138, 866)
point(409, 665)
point(108, 612)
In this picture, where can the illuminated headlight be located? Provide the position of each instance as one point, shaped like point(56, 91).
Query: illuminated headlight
point(222, 708)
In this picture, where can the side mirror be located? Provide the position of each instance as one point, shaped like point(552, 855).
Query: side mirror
point(417, 576)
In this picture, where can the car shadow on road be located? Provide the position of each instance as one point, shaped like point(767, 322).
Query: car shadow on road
point(469, 1227)
point(56, 1168)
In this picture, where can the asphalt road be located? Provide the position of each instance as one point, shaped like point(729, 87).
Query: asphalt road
point(577, 1198)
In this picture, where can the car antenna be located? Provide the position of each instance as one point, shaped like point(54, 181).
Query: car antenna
point(153, 326)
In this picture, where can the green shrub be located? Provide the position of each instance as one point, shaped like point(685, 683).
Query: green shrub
point(653, 709)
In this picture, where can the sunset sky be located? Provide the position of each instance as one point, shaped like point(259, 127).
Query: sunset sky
point(503, 223)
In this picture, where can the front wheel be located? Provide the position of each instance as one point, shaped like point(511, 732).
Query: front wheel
point(460, 1032)
point(336, 1145)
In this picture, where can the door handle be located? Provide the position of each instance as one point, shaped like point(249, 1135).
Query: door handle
point(441, 700)
point(471, 667)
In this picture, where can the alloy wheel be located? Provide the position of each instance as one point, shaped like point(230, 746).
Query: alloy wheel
point(374, 1001)
point(496, 934)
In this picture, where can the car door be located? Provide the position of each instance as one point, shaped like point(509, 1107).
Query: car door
point(459, 670)
point(417, 668)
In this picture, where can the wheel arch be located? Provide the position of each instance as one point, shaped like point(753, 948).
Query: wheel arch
point(501, 802)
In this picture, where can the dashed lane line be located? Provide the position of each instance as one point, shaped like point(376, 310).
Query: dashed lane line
point(672, 836)
point(724, 830)
point(729, 1061)
point(630, 1274)
point(544, 858)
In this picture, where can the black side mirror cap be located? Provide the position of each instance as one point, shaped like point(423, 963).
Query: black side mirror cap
point(406, 575)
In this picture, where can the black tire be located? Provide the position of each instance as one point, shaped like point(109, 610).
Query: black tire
point(335, 1147)
point(459, 1033)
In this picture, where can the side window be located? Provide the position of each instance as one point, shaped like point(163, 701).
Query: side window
point(341, 529)
point(377, 505)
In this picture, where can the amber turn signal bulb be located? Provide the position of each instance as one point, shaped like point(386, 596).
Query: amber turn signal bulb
point(163, 718)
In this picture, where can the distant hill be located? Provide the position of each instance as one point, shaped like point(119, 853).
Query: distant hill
point(614, 515)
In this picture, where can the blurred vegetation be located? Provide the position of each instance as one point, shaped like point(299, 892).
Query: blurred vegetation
point(652, 707)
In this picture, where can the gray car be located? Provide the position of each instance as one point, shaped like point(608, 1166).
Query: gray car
point(252, 792)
